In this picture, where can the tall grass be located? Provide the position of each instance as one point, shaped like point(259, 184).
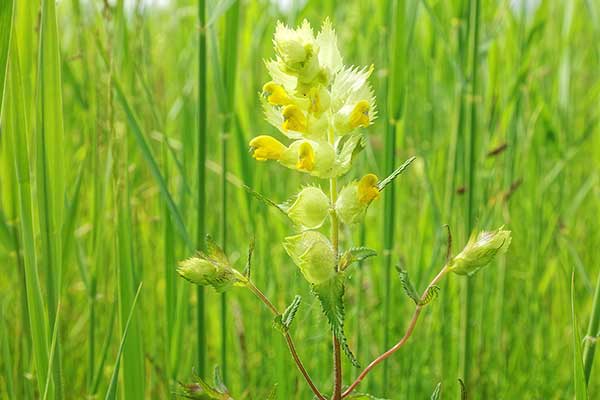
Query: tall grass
point(112, 166)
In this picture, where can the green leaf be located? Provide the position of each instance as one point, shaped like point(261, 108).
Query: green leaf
point(383, 183)
point(290, 312)
point(248, 269)
point(215, 252)
point(6, 17)
point(407, 285)
point(578, 372)
point(331, 295)
point(355, 254)
point(263, 199)
point(283, 321)
point(431, 294)
point(437, 392)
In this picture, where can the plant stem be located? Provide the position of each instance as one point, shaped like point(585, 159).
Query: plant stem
point(201, 331)
point(288, 339)
point(592, 335)
point(335, 228)
point(402, 341)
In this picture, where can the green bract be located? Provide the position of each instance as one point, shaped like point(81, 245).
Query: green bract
point(212, 269)
point(480, 251)
point(310, 208)
point(312, 252)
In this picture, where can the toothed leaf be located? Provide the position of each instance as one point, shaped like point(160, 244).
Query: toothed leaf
point(331, 295)
point(248, 269)
point(431, 294)
point(290, 312)
point(407, 285)
point(215, 252)
point(382, 184)
point(263, 199)
point(355, 254)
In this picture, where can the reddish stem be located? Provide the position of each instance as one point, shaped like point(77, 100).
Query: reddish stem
point(397, 346)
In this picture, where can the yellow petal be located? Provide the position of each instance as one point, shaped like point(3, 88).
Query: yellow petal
point(306, 157)
point(276, 94)
point(367, 188)
point(294, 119)
point(360, 115)
point(266, 148)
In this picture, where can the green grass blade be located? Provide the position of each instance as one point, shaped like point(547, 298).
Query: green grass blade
point(6, 18)
point(111, 392)
point(578, 372)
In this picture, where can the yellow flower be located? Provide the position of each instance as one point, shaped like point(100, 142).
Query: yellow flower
point(355, 198)
point(367, 188)
point(276, 94)
point(266, 148)
point(360, 115)
point(306, 157)
point(294, 119)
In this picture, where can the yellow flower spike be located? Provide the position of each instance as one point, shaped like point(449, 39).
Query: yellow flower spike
point(276, 94)
point(360, 115)
point(367, 188)
point(265, 147)
point(294, 119)
point(306, 157)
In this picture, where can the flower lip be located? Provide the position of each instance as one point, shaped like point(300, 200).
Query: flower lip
point(266, 147)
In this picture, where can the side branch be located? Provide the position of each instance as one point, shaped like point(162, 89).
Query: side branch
point(397, 346)
point(288, 340)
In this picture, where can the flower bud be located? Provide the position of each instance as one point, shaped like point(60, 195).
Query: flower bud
point(297, 51)
point(480, 251)
point(310, 209)
point(276, 94)
point(205, 271)
point(312, 252)
point(355, 198)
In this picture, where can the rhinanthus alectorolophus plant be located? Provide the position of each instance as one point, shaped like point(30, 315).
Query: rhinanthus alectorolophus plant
point(322, 108)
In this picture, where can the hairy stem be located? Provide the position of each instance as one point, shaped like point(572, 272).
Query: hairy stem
point(288, 339)
point(397, 346)
point(337, 358)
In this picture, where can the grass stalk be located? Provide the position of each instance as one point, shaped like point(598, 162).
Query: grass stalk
point(201, 171)
point(471, 152)
point(592, 335)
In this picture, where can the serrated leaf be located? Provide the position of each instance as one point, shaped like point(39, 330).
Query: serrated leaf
point(431, 294)
point(407, 285)
point(201, 390)
point(437, 392)
point(248, 269)
point(215, 252)
point(355, 254)
point(383, 183)
point(331, 296)
point(263, 199)
point(290, 312)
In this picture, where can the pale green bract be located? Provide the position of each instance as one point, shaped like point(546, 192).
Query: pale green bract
point(480, 251)
point(310, 208)
point(312, 252)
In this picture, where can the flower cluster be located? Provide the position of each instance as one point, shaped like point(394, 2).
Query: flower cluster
point(320, 106)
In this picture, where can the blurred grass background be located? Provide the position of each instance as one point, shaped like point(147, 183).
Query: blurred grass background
point(100, 143)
